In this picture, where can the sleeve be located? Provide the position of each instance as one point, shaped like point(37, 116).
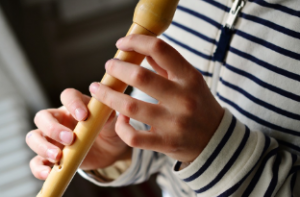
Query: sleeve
point(239, 162)
point(142, 165)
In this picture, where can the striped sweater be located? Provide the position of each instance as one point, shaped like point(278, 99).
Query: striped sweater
point(255, 150)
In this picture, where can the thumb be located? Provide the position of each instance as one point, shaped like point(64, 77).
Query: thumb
point(108, 129)
point(136, 138)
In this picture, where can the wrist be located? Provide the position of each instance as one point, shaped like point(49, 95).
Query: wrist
point(126, 155)
point(184, 165)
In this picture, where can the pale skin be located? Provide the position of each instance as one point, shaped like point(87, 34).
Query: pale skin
point(182, 123)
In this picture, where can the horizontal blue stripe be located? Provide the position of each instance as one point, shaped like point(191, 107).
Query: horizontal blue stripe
point(187, 29)
point(258, 20)
point(261, 102)
point(268, 45)
point(202, 36)
point(215, 153)
point(201, 16)
point(279, 7)
point(266, 65)
point(208, 57)
point(148, 127)
point(245, 35)
point(274, 180)
point(207, 74)
point(257, 119)
point(257, 175)
point(264, 84)
point(218, 5)
point(229, 163)
point(271, 25)
point(289, 145)
point(234, 188)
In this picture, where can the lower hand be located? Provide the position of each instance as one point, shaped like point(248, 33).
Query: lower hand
point(54, 131)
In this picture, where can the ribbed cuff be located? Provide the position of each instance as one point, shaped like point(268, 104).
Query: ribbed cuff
point(229, 152)
point(120, 177)
point(120, 173)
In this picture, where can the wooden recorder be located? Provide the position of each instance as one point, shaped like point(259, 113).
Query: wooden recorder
point(151, 17)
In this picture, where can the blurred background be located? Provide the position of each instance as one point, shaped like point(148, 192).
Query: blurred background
point(45, 47)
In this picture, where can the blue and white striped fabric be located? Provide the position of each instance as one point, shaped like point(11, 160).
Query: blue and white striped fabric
point(255, 151)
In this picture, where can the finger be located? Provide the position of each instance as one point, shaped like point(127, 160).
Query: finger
point(145, 112)
point(40, 167)
point(63, 117)
point(163, 54)
point(75, 102)
point(55, 143)
point(149, 82)
point(137, 139)
point(42, 147)
point(156, 67)
point(49, 125)
point(108, 129)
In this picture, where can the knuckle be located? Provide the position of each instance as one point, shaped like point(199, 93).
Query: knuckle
point(196, 78)
point(103, 96)
point(51, 130)
point(130, 38)
point(173, 146)
point(141, 76)
point(180, 122)
point(73, 104)
point(159, 46)
point(130, 107)
point(189, 104)
point(133, 140)
point(42, 150)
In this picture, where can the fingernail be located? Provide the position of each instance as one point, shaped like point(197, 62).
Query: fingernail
point(29, 135)
point(119, 41)
point(44, 174)
point(80, 114)
point(94, 87)
point(66, 137)
point(52, 154)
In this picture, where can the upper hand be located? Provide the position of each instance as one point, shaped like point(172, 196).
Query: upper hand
point(186, 115)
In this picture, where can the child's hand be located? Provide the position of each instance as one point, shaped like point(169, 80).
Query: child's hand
point(54, 130)
point(186, 115)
